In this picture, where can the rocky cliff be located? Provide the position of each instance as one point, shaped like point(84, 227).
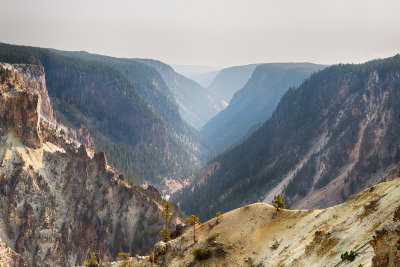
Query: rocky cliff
point(20, 110)
point(35, 78)
point(386, 245)
point(57, 204)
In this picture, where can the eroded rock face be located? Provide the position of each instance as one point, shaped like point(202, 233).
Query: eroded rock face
point(8, 257)
point(158, 251)
point(101, 161)
point(86, 139)
point(58, 205)
point(35, 80)
point(20, 110)
point(60, 208)
point(321, 243)
point(153, 191)
point(385, 248)
point(26, 104)
point(179, 229)
point(82, 153)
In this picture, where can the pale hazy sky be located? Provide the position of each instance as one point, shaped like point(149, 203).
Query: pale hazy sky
point(209, 32)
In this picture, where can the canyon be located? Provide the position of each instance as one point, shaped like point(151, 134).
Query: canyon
point(58, 204)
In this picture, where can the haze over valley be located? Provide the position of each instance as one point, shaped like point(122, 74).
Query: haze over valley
point(175, 133)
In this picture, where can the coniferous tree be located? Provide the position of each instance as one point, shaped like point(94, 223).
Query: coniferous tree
point(278, 203)
point(93, 261)
point(192, 220)
point(165, 233)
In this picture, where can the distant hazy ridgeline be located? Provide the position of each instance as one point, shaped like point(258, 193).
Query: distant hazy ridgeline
point(196, 104)
point(254, 103)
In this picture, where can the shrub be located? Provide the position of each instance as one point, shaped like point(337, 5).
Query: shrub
point(93, 262)
point(201, 254)
point(398, 244)
point(396, 215)
point(124, 255)
point(218, 216)
point(349, 256)
point(250, 262)
point(217, 249)
point(213, 237)
point(275, 245)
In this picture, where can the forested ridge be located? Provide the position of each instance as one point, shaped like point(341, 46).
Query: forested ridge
point(125, 104)
point(254, 103)
point(196, 104)
point(335, 105)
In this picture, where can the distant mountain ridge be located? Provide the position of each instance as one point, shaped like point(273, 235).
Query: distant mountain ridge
point(255, 102)
point(332, 136)
point(196, 104)
point(191, 70)
point(229, 80)
point(205, 79)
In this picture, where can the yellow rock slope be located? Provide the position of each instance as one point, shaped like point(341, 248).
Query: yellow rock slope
point(287, 237)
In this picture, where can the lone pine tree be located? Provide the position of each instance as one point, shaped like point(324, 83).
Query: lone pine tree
point(165, 233)
point(278, 203)
point(192, 220)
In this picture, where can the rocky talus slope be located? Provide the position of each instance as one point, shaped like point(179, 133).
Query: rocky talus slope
point(57, 204)
point(259, 234)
